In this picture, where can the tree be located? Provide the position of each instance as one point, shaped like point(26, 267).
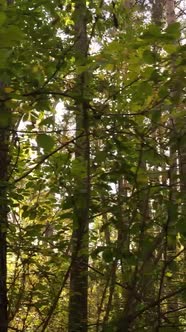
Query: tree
point(4, 165)
point(81, 196)
point(89, 161)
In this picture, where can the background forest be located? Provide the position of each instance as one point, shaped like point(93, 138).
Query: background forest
point(92, 166)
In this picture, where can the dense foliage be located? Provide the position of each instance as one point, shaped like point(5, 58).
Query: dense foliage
point(92, 166)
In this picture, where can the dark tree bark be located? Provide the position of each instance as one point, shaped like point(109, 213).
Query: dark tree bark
point(79, 270)
point(4, 166)
point(3, 228)
point(172, 303)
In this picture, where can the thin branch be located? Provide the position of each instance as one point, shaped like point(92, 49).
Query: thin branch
point(156, 302)
point(46, 157)
point(13, 329)
point(98, 16)
point(47, 92)
point(53, 307)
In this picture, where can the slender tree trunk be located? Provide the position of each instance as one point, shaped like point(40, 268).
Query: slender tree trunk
point(170, 11)
point(79, 271)
point(157, 18)
point(4, 166)
point(172, 303)
point(3, 228)
point(157, 11)
point(182, 170)
point(123, 245)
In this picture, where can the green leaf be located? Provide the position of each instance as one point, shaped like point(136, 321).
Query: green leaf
point(170, 48)
point(2, 18)
point(47, 121)
point(173, 30)
point(10, 36)
point(34, 230)
point(181, 226)
point(147, 72)
point(45, 142)
point(108, 255)
point(155, 115)
point(14, 33)
point(5, 118)
point(4, 54)
point(152, 157)
point(101, 156)
point(152, 32)
point(149, 56)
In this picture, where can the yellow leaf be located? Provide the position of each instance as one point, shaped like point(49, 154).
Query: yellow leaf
point(8, 90)
point(168, 274)
point(35, 69)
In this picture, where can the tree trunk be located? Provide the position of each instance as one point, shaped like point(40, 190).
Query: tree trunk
point(170, 11)
point(79, 270)
point(172, 303)
point(124, 322)
point(3, 228)
point(157, 11)
point(4, 165)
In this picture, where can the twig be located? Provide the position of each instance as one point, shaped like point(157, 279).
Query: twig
point(46, 157)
